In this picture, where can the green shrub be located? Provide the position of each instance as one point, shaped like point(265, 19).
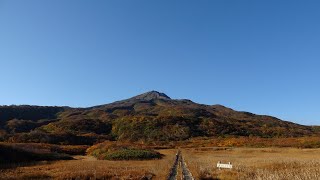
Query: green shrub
point(131, 154)
point(122, 151)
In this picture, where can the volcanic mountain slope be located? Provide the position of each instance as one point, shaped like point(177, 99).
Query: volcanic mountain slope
point(151, 116)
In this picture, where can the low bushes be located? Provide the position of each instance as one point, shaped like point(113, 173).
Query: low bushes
point(131, 154)
point(9, 154)
point(106, 151)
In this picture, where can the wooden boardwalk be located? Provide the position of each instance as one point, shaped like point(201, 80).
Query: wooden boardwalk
point(179, 162)
point(186, 174)
point(174, 169)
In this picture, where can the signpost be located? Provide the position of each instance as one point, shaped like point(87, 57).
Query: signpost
point(225, 166)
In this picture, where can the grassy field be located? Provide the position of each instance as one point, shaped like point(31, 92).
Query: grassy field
point(249, 163)
point(254, 163)
point(86, 167)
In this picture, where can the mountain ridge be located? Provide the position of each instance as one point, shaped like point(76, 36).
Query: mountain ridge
point(151, 116)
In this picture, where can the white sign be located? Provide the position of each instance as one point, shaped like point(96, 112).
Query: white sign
point(226, 166)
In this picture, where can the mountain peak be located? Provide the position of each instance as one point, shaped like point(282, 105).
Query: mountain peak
point(151, 95)
point(148, 96)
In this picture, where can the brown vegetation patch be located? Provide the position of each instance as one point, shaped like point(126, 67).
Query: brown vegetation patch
point(86, 169)
point(255, 163)
point(11, 154)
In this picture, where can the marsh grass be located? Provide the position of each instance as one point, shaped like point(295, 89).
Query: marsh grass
point(249, 163)
point(90, 168)
point(256, 163)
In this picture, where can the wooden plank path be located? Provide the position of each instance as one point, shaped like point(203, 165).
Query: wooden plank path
point(186, 174)
point(179, 162)
point(174, 169)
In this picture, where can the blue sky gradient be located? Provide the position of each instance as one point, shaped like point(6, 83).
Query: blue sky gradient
point(257, 56)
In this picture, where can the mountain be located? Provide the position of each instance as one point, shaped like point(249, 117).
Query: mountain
point(152, 95)
point(148, 96)
point(152, 116)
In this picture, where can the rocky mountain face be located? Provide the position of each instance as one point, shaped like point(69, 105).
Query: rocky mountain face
point(152, 116)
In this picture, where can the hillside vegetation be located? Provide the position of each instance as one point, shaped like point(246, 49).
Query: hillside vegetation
point(149, 117)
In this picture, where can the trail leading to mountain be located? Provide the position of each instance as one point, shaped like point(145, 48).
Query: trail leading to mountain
point(186, 174)
point(174, 169)
point(179, 162)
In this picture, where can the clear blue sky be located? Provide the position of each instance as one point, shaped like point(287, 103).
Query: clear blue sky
point(257, 56)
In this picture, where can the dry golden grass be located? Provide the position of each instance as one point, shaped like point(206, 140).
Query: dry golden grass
point(249, 163)
point(253, 142)
point(89, 168)
point(255, 163)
